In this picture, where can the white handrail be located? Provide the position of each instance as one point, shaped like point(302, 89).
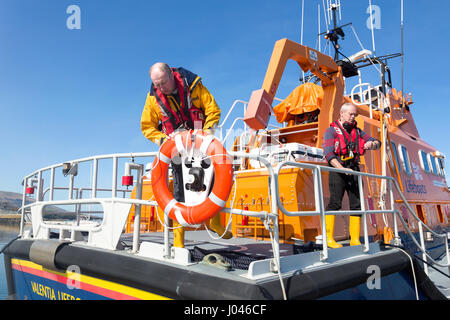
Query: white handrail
point(317, 169)
point(383, 102)
point(231, 109)
point(276, 203)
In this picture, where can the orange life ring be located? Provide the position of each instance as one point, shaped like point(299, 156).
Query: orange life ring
point(208, 146)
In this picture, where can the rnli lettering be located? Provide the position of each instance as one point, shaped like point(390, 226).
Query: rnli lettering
point(411, 187)
point(49, 293)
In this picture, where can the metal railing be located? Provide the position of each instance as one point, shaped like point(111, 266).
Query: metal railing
point(320, 211)
point(319, 201)
point(230, 129)
point(317, 170)
point(271, 216)
point(106, 224)
point(381, 99)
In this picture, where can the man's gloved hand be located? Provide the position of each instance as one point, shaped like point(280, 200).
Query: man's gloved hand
point(210, 130)
point(372, 145)
point(171, 136)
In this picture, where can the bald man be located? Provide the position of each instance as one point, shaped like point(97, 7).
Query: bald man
point(343, 145)
point(177, 101)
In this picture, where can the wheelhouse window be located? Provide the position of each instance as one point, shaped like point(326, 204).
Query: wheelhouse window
point(394, 151)
point(424, 161)
point(405, 159)
point(441, 166)
point(433, 164)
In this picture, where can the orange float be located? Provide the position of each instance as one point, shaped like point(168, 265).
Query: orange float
point(210, 147)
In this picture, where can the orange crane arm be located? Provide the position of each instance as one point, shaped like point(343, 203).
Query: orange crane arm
point(321, 65)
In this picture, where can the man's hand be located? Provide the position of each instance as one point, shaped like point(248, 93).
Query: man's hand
point(347, 169)
point(335, 163)
point(371, 145)
point(166, 137)
point(172, 134)
point(210, 130)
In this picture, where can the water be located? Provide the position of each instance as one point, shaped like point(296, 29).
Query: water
point(6, 234)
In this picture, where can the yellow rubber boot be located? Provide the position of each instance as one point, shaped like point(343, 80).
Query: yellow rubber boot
point(216, 226)
point(329, 221)
point(178, 235)
point(354, 229)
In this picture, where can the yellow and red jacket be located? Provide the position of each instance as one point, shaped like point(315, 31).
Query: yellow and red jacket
point(338, 142)
point(158, 121)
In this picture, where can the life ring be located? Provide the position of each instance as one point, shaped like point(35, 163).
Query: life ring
point(208, 146)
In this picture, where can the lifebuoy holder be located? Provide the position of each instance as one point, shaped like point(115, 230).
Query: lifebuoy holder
point(208, 146)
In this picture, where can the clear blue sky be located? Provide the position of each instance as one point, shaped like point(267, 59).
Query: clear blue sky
point(67, 94)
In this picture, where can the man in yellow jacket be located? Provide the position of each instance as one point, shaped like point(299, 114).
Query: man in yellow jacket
point(178, 100)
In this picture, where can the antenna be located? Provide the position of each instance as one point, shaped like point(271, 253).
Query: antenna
point(403, 55)
point(336, 33)
point(371, 27)
point(301, 36)
point(325, 15)
point(340, 13)
point(331, 9)
point(328, 10)
point(301, 33)
point(318, 22)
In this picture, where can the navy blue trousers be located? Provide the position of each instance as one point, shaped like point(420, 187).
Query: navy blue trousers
point(339, 183)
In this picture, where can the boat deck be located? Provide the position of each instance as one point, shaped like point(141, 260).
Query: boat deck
point(200, 240)
point(440, 278)
point(300, 257)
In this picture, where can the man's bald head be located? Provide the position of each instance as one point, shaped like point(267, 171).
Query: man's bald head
point(348, 107)
point(160, 67)
point(162, 77)
point(348, 113)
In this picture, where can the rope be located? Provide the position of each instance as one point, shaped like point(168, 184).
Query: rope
point(362, 47)
point(413, 272)
point(276, 259)
point(432, 266)
point(411, 262)
point(229, 219)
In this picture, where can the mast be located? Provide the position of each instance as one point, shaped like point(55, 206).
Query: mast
point(333, 35)
point(318, 23)
point(371, 28)
point(301, 38)
point(403, 55)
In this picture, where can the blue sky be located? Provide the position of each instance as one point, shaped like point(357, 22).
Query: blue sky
point(67, 94)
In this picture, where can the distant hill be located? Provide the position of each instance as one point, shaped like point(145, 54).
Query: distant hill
point(10, 202)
